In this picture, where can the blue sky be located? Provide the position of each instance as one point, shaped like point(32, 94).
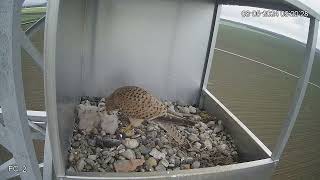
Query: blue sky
point(296, 28)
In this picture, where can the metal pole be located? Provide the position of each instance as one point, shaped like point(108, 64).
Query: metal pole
point(210, 51)
point(12, 94)
point(300, 91)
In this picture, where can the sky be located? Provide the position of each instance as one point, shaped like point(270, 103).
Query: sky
point(295, 27)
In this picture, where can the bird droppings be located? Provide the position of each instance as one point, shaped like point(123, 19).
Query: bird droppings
point(100, 145)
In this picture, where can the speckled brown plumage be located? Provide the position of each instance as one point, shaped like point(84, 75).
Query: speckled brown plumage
point(136, 103)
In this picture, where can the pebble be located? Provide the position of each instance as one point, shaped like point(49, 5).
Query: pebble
point(196, 117)
point(160, 167)
point(185, 166)
point(204, 136)
point(188, 160)
point(164, 162)
point(107, 142)
point(197, 145)
point(151, 162)
point(157, 154)
point(92, 157)
point(149, 148)
point(129, 154)
point(195, 164)
point(193, 138)
point(127, 165)
point(144, 150)
point(131, 143)
point(80, 165)
point(71, 170)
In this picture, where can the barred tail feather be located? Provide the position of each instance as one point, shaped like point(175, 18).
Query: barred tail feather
point(173, 132)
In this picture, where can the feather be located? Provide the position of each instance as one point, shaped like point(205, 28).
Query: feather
point(172, 132)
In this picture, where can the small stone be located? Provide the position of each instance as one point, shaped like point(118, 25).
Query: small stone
point(121, 151)
point(144, 150)
point(222, 147)
point(152, 134)
point(211, 124)
point(101, 169)
point(192, 109)
point(193, 138)
point(207, 143)
point(164, 162)
point(129, 154)
point(127, 165)
point(196, 117)
point(76, 144)
point(160, 167)
point(93, 157)
point(92, 142)
point(203, 125)
point(157, 154)
point(130, 143)
point(197, 145)
point(105, 153)
point(195, 165)
point(71, 170)
point(204, 136)
point(80, 165)
point(185, 166)
point(121, 146)
point(107, 142)
point(192, 130)
point(164, 140)
point(170, 151)
point(89, 161)
point(172, 160)
point(150, 128)
point(151, 162)
point(98, 150)
point(188, 160)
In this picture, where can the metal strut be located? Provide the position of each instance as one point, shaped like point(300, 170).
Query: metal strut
point(15, 122)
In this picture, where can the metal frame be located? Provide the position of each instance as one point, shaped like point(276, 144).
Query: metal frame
point(15, 122)
point(300, 90)
point(15, 118)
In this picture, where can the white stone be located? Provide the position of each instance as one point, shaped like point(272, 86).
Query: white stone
point(131, 143)
point(129, 154)
point(164, 162)
point(157, 154)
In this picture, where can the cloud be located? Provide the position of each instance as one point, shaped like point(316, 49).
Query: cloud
point(294, 27)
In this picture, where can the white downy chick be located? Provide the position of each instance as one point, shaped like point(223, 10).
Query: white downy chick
point(88, 116)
